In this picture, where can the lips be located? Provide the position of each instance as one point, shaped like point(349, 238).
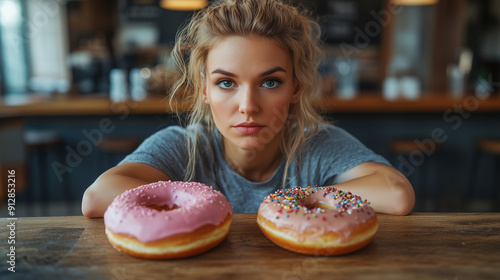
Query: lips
point(248, 127)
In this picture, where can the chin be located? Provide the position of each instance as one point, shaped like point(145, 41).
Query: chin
point(248, 143)
point(251, 147)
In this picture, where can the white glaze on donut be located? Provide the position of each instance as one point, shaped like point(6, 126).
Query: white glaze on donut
point(132, 212)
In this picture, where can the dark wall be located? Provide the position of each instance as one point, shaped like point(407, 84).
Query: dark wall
point(442, 173)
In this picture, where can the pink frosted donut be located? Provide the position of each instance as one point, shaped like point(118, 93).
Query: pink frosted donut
point(168, 220)
point(317, 220)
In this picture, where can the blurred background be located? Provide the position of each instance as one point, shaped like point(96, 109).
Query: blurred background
point(83, 82)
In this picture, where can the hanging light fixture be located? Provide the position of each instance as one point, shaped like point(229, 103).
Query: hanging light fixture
point(414, 2)
point(183, 5)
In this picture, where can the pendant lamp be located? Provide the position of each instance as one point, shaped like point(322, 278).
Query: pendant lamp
point(183, 5)
point(414, 2)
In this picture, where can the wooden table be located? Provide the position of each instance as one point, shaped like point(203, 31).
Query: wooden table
point(418, 246)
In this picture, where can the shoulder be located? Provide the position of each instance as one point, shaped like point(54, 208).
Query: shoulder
point(332, 140)
point(180, 131)
point(168, 137)
point(190, 136)
point(330, 128)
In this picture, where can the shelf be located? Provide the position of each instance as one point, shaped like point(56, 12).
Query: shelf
point(428, 103)
point(37, 105)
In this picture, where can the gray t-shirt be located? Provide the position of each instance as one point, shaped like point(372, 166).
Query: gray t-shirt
point(329, 153)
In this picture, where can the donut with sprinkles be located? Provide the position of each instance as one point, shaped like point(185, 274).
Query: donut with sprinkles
point(317, 220)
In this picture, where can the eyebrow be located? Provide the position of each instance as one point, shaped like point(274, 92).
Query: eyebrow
point(263, 74)
point(271, 71)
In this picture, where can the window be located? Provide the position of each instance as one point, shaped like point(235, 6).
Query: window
point(13, 54)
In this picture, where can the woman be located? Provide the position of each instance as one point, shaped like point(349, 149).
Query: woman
point(250, 69)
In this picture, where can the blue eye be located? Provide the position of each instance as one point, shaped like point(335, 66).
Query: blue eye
point(271, 83)
point(225, 84)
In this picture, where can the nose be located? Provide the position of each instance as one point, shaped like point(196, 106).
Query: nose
point(248, 101)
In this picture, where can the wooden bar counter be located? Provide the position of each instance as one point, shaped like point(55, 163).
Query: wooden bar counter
point(369, 102)
point(417, 246)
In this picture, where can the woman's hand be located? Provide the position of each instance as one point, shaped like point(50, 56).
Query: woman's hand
point(115, 181)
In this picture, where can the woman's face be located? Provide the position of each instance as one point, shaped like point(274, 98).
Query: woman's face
point(249, 88)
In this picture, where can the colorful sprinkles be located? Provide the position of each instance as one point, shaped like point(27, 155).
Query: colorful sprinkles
point(294, 199)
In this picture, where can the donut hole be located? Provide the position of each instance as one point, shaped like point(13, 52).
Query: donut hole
point(319, 205)
point(162, 207)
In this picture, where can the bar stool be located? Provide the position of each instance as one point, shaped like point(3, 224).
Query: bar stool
point(115, 149)
point(415, 161)
point(12, 157)
point(486, 148)
point(41, 147)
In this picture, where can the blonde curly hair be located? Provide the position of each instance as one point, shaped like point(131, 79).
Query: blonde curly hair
point(288, 26)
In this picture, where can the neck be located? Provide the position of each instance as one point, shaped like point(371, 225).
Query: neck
point(254, 165)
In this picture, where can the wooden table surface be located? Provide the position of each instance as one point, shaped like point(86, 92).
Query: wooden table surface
point(417, 246)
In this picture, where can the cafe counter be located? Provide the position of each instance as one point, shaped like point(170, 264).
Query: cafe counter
point(369, 102)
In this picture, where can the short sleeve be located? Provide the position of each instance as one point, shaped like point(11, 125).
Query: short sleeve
point(334, 151)
point(165, 150)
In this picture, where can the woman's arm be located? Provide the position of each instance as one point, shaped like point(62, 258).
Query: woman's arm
point(384, 187)
point(115, 181)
